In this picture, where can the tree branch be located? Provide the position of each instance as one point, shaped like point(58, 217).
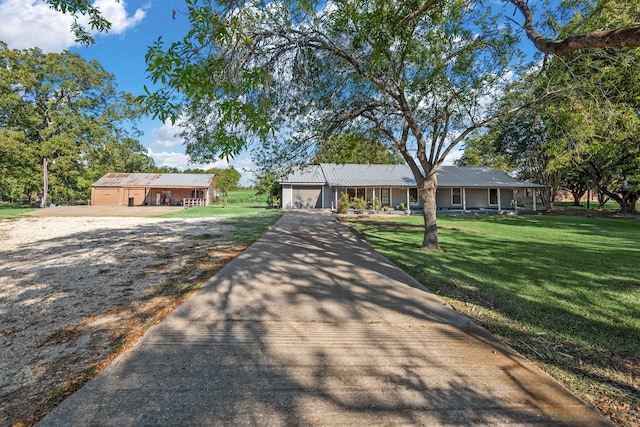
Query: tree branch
point(413, 15)
point(616, 38)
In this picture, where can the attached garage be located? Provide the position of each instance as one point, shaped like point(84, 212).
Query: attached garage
point(153, 189)
point(307, 197)
point(306, 189)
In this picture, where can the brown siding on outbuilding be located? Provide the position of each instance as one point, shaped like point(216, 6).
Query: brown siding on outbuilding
point(138, 189)
point(105, 196)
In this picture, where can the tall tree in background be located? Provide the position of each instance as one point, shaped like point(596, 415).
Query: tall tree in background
point(59, 108)
point(517, 144)
point(266, 184)
point(226, 180)
point(580, 116)
point(356, 147)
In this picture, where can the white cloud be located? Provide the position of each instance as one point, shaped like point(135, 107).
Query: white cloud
point(116, 13)
point(453, 156)
point(32, 23)
point(180, 160)
point(167, 135)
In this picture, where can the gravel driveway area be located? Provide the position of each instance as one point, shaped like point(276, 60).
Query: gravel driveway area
point(74, 290)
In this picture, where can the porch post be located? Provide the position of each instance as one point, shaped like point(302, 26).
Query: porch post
point(499, 201)
point(336, 197)
point(464, 199)
point(373, 199)
point(534, 199)
point(408, 201)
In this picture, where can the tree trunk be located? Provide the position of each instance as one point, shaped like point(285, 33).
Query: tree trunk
point(577, 195)
point(428, 194)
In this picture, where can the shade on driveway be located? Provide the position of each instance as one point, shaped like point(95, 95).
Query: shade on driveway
point(309, 326)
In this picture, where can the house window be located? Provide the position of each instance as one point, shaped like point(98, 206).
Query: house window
point(413, 195)
point(384, 197)
point(456, 196)
point(529, 192)
point(493, 196)
point(356, 192)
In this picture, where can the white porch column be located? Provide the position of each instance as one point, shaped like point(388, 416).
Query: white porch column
point(322, 195)
point(336, 198)
point(464, 199)
point(534, 199)
point(499, 201)
point(373, 199)
point(408, 201)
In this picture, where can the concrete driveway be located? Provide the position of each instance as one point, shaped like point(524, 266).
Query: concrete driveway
point(309, 326)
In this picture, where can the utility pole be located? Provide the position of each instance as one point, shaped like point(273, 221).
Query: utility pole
point(45, 181)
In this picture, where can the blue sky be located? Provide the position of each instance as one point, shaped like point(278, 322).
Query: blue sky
point(136, 24)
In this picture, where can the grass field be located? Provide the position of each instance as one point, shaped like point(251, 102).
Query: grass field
point(564, 291)
point(11, 211)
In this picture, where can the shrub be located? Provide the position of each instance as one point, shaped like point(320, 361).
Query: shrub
point(360, 204)
point(343, 204)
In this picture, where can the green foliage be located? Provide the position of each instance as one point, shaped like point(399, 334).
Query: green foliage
point(359, 204)
point(344, 203)
point(266, 184)
point(594, 121)
point(84, 8)
point(11, 211)
point(542, 302)
point(417, 85)
point(63, 109)
point(575, 122)
point(226, 180)
point(356, 147)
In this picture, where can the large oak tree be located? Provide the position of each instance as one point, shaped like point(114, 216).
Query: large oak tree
point(59, 107)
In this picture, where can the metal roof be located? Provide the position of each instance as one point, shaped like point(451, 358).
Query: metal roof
point(164, 180)
point(311, 174)
point(455, 176)
point(368, 175)
point(354, 175)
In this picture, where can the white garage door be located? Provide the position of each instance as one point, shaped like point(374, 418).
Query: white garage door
point(307, 198)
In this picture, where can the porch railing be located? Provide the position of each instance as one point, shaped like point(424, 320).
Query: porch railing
point(190, 203)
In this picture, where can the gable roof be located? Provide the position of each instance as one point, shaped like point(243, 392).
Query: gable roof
point(458, 176)
point(356, 175)
point(368, 175)
point(311, 174)
point(164, 180)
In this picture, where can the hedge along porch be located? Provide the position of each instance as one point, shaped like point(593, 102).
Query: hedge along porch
point(459, 188)
point(151, 189)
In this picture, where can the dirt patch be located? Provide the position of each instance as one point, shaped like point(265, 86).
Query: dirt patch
point(76, 291)
point(103, 211)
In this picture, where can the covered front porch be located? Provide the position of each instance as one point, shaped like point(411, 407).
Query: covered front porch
point(449, 199)
point(482, 198)
point(380, 198)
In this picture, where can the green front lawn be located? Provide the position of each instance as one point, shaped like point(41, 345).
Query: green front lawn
point(564, 291)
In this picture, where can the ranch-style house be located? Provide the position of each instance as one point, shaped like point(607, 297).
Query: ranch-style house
point(459, 188)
